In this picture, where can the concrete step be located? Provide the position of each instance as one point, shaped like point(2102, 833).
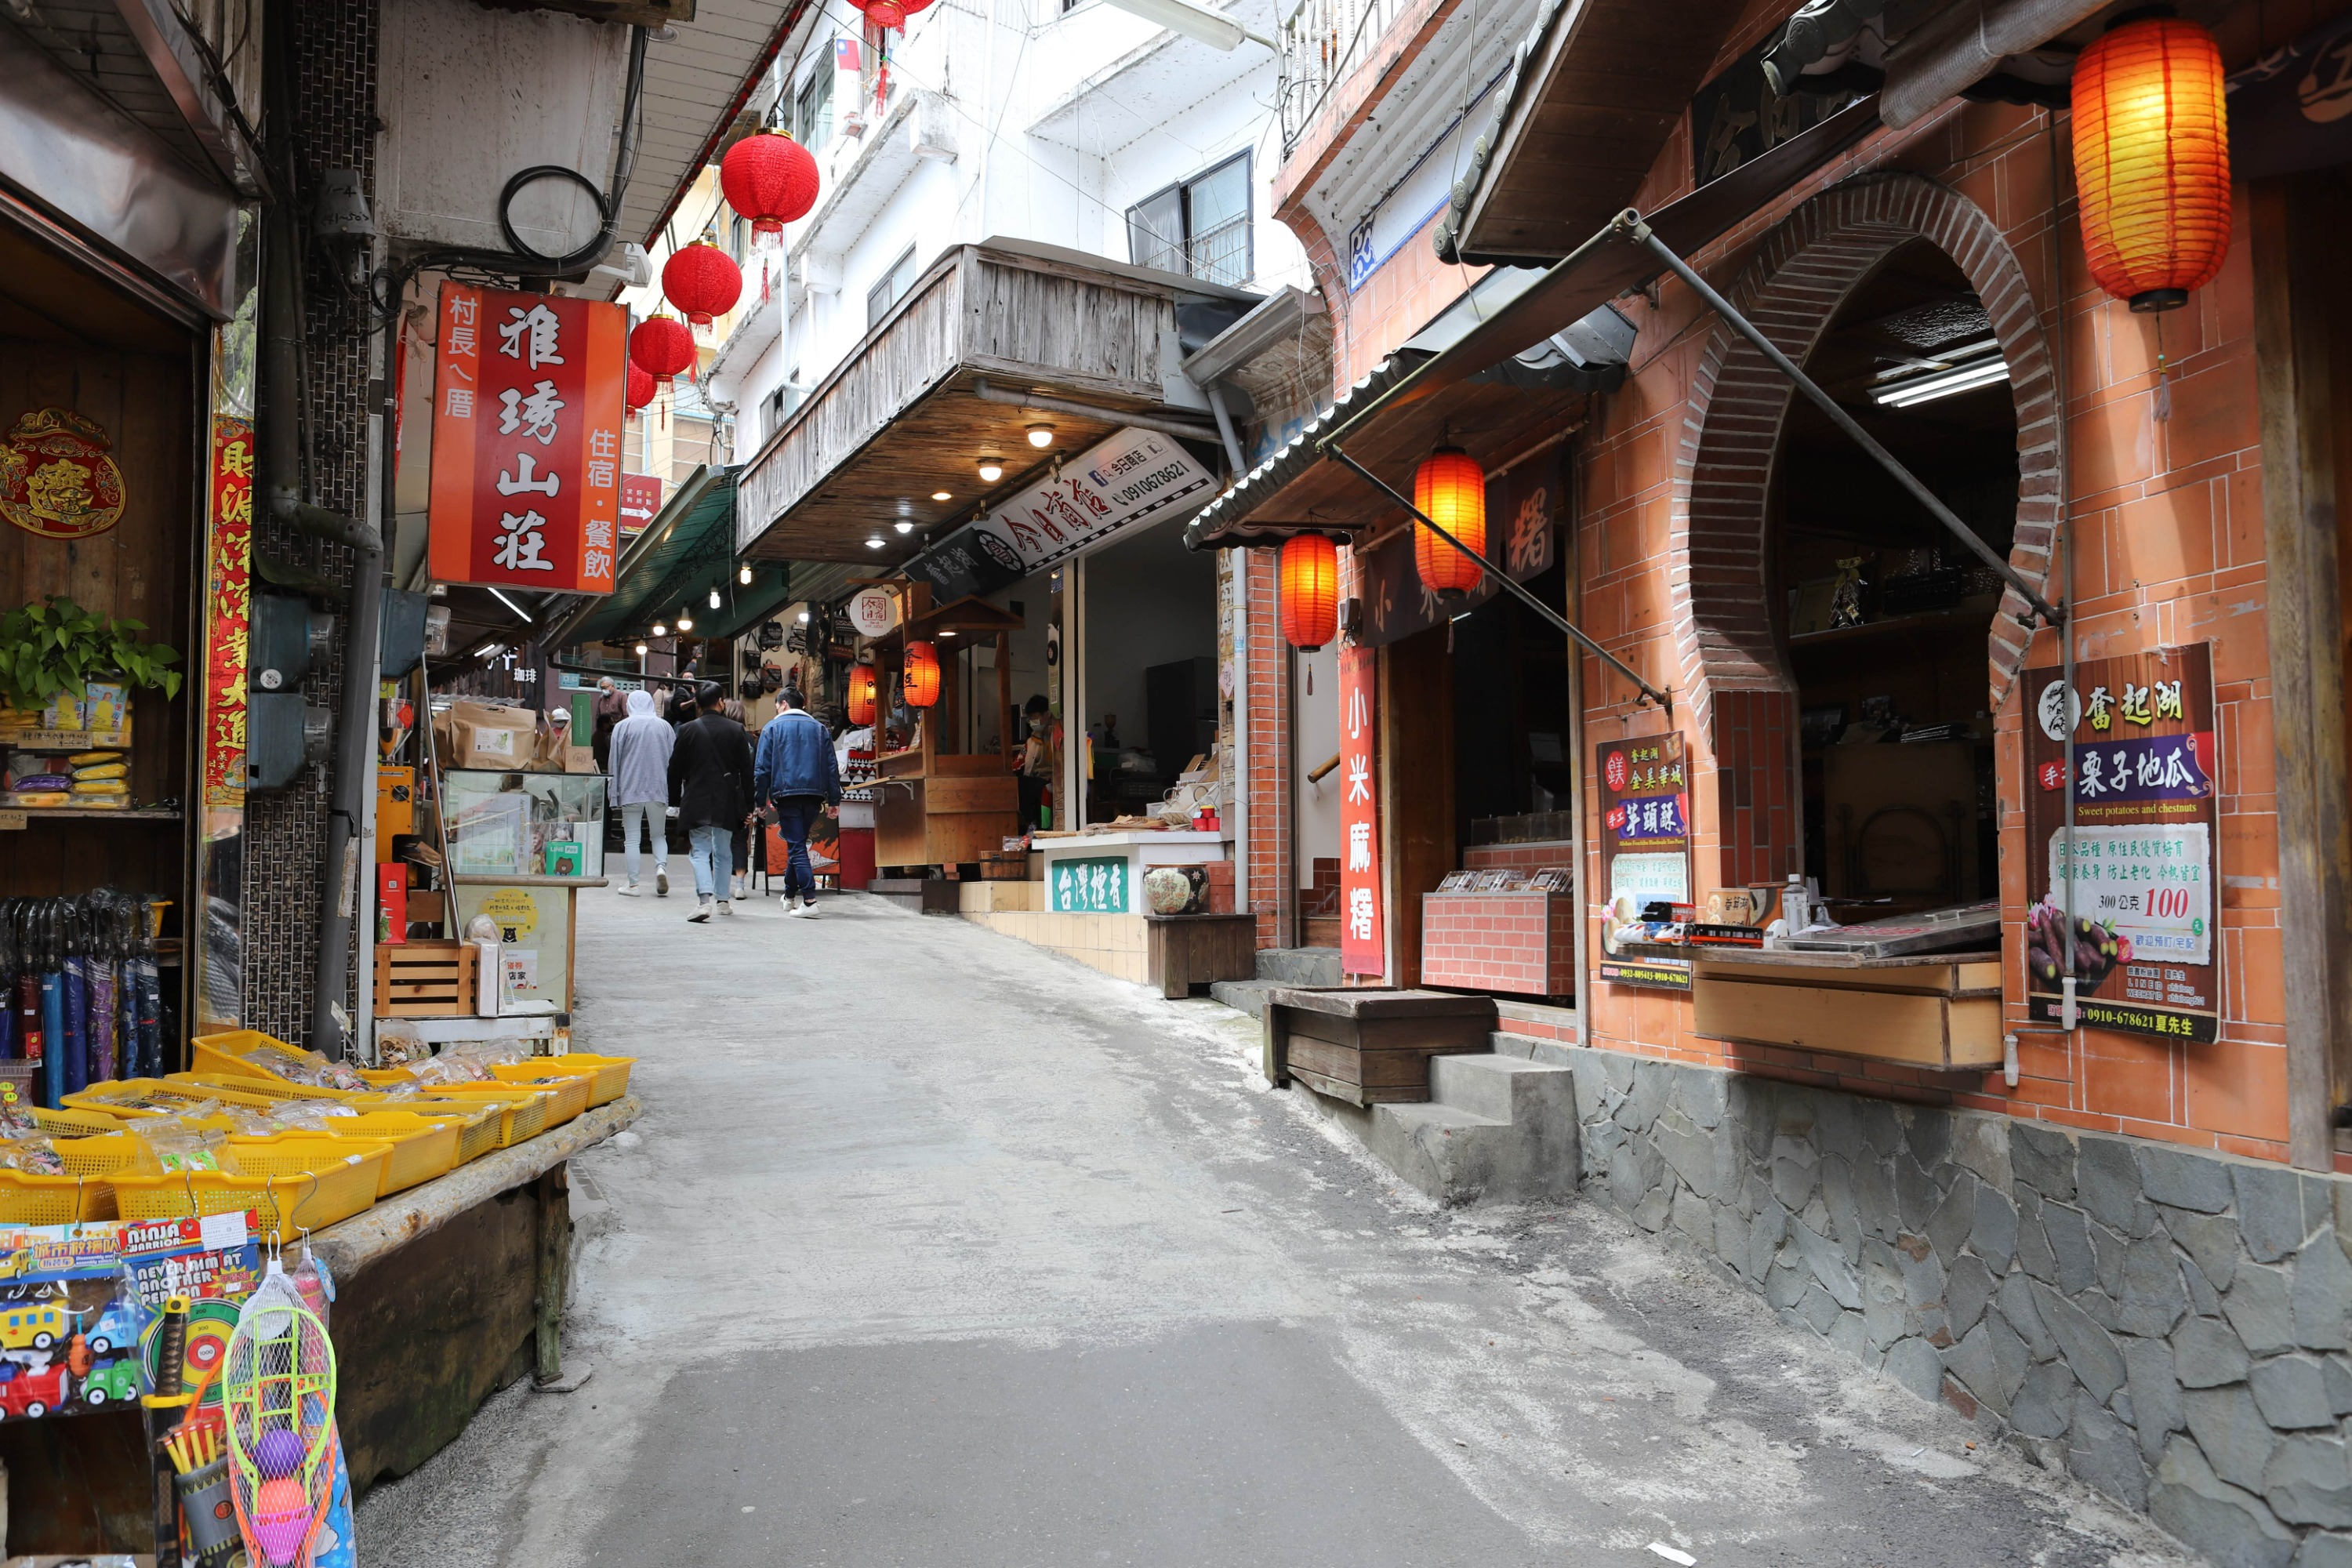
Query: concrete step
point(1499, 1128)
point(1244, 996)
point(1299, 965)
point(1552, 1053)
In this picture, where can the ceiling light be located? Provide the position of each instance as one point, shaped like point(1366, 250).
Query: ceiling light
point(804, 617)
point(990, 469)
point(714, 596)
point(660, 630)
point(1041, 435)
point(487, 649)
point(1957, 371)
point(940, 495)
point(685, 623)
point(744, 577)
point(510, 605)
point(903, 526)
point(875, 542)
point(643, 650)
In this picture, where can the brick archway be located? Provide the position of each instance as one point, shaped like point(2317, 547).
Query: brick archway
point(1739, 693)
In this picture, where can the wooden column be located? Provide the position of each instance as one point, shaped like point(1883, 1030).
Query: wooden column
point(553, 1192)
point(2299, 234)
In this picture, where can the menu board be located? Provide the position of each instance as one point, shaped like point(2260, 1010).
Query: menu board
point(2146, 789)
point(1645, 852)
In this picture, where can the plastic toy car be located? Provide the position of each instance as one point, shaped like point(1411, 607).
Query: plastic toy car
point(118, 1327)
point(34, 1325)
point(35, 1394)
point(117, 1381)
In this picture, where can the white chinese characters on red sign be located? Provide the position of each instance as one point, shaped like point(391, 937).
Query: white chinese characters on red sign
point(527, 440)
point(1363, 947)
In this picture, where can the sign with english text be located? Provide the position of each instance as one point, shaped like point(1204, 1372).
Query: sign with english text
point(1363, 945)
point(2146, 795)
point(527, 412)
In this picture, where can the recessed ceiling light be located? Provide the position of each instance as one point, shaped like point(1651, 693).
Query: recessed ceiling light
point(804, 617)
point(991, 470)
point(875, 542)
point(947, 631)
point(1041, 435)
point(903, 526)
point(940, 495)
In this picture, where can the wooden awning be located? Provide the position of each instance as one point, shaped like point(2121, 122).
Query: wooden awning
point(902, 418)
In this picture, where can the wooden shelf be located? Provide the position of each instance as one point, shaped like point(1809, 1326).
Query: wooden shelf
point(31, 814)
point(1932, 621)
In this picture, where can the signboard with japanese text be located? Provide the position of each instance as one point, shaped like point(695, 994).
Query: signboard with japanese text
point(1095, 886)
point(1646, 851)
point(641, 502)
point(527, 440)
point(1363, 943)
point(2147, 792)
point(228, 601)
point(1522, 512)
point(1129, 477)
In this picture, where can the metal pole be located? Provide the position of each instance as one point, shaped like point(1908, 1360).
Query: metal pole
point(1629, 224)
point(1651, 693)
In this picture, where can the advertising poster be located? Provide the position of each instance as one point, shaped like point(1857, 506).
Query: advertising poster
point(1363, 942)
point(1646, 851)
point(2146, 789)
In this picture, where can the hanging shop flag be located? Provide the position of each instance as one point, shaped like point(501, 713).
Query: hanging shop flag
point(1128, 477)
point(641, 502)
point(228, 590)
point(1645, 855)
point(2146, 790)
point(1363, 947)
point(527, 440)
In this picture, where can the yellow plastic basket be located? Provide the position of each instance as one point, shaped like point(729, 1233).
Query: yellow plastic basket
point(522, 1112)
point(76, 1124)
point(133, 1098)
point(249, 1053)
point(570, 1090)
point(422, 1147)
point(292, 1154)
point(85, 1192)
point(609, 1076)
point(275, 1089)
point(289, 1204)
point(101, 1155)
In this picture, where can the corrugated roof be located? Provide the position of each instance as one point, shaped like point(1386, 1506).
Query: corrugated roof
point(691, 539)
point(1218, 525)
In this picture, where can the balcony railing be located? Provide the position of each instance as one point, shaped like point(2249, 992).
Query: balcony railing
point(1323, 42)
point(1222, 255)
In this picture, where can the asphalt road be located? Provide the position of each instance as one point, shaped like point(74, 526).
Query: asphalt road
point(934, 1249)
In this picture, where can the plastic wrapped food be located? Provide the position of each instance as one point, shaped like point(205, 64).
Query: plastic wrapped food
point(399, 1043)
point(172, 1145)
point(36, 1156)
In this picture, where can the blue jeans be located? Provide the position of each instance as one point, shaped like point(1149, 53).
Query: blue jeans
point(652, 816)
point(793, 814)
point(714, 863)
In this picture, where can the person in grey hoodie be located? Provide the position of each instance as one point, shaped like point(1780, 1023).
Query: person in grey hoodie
point(641, 748)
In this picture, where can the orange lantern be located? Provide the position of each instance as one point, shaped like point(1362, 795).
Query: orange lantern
point(1310, 591)
point(922, 677)
point(861, 695)
point(1450, 490)
point(2152, 160)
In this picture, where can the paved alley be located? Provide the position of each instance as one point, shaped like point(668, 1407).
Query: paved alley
point(935, 1249)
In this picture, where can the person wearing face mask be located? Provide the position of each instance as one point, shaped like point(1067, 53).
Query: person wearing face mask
point(1037, 760)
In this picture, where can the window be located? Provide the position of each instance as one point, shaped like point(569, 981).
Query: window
point(772, 414)
point(812, 110)
point(890, 288)
point(1200, 226)
point(739, 238)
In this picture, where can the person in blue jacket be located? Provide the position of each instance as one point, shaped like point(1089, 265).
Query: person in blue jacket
point(794, 778)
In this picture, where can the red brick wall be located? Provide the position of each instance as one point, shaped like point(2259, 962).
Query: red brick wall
point(1521, 944)
point(1269, 893)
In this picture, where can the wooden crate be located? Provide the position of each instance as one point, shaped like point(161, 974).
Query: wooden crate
point(1185, 951)
point(1940, 1013)
point(1368, 1046)
point(426, 979)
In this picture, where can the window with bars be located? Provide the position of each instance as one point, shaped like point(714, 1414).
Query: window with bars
point(1199, 226)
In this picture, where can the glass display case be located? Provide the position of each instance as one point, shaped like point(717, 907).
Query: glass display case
point(524, 825)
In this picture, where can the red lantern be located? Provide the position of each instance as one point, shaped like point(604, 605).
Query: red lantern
point(1310, 591)
point(890, 14)
point(861, 694)
point(769, 179)
point(663, 347)
point(639, 391)
point(1450, 490)
point(2152, 160)
point(702, 282)
point(922, 677)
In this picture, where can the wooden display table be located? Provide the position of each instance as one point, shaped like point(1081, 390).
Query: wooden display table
point(931, 809)
point(1185, 951)
point(1369, 1045)
point(1938, 1011)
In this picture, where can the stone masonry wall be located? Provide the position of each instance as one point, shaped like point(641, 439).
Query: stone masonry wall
point(2168, 1324)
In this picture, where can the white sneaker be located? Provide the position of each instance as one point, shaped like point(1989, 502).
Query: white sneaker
point(793, 911)
point(808, 909)
point(661, 881)
point(631, 891)
point(727, 908)
point(701, 912)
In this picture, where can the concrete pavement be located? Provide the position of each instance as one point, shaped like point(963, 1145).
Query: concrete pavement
point(935, 1249)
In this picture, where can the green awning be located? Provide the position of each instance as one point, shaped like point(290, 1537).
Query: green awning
point(687, 548)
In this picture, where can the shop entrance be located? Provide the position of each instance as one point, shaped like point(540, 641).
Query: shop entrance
point(1882, 615)
point(1147, 686)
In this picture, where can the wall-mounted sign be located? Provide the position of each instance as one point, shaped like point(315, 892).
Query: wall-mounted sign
point(1522, 508)
point(527, 440)
point(2146, 790)
point(2292, 109)
point(1094, 886)
point(1363, 940)
point(873, 612)
point(1738, 118)
point(229, 594)
point(55, 478)
point(1645, 852)
point(641, 501)
point(1421, 195)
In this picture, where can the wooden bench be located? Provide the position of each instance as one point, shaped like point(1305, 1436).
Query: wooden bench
point(1185, 951)
point(1366, 1046)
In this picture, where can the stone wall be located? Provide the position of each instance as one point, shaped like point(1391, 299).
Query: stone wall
point(2165, 1323)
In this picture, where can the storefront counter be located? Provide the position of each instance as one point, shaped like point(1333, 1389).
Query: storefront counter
point(1940, 1011)
point(1102, 873)
point(931, 809)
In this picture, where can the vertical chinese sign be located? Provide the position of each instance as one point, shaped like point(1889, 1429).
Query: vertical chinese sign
point(1363, 945)
point(527, 440)
point(2147, 792)
point(1645, 852)
point(228, 618)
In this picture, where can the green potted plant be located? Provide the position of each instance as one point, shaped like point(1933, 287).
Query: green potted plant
point(57, 645)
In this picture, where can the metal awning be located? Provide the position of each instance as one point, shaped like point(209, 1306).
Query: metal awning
point(688, 547)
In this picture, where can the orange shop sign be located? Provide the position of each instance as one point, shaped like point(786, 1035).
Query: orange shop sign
point(527, 440)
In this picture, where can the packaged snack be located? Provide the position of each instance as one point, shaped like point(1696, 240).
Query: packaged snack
point(84, 759)
point(100, 786)
point(86, 771)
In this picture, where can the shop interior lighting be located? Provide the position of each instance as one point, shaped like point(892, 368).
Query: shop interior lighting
point(1962, 370)
point(904, 525)
point(714, 588)
point(643, 650)
point(1041, 435)
point(660, 630)
point(686, 623)
point(744, 577)
point(510, 605)
point(875, 542)
point(940, 495)
point(487, 649)
point(990, 469)
point(804, 617)
point(947, 631)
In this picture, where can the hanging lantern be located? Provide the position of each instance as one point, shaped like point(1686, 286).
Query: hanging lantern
point(2152, 160)
point(1450, 490)
point(922, 677)
point(663, 347)
point(703, 281)
point(769, 179)
point(861, 695)
point(640, 389)
point(890, 14)
point(1310, 591)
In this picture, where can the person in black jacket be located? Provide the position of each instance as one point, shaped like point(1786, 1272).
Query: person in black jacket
point(711, 783)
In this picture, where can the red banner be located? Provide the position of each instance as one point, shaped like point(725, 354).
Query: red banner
point(1363, 947)
point(527, 440)
point(228, 611)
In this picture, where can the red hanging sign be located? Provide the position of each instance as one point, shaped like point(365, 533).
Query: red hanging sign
point(228, 597)
point(527, 440)
point(1363, 947)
